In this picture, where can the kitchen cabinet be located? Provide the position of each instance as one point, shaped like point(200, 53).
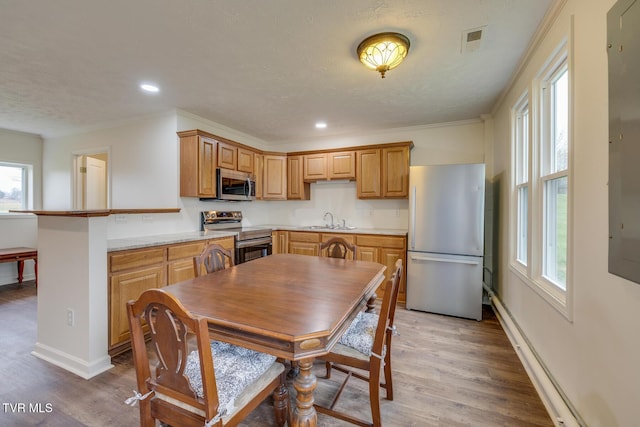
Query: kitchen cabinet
point(385, 250)
point(198, 159)
point(246, 160)
point(328, 166)
point(279, 242)
point(274, 183)
point(341, 165)
point(383, 172)
point(315, 166)
point(258, 167)
point(303, 243)
point(132, 272)
point(227, 156)
point(368, 170)
point(395, 172)
point(297, 189)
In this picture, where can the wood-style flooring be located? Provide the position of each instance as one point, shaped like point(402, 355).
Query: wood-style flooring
point(447, 372)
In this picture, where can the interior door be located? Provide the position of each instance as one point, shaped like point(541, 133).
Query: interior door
point(95, 194)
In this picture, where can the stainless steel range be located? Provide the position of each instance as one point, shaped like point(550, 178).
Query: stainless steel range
point(251, 242)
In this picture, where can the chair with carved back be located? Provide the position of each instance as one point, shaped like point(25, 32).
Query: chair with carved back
point(337, 247)
point(214, 257)
point(366, 346)
point(195, 381)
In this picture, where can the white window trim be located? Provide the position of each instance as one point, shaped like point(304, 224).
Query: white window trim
point(531, 275)
point(516, 265)
point(27, 190)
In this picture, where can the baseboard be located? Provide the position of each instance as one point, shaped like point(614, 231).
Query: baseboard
point(12, 279)
point(558, 409)
point(71, 363)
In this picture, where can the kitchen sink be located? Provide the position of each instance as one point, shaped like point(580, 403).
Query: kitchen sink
point(327, 227)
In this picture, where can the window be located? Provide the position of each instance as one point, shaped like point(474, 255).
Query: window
point(14, 186)
point(541, 147)
point(521, 174)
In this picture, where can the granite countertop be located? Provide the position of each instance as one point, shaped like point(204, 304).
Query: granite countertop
point(189, 236)
point(380, 231)
point(164, 239)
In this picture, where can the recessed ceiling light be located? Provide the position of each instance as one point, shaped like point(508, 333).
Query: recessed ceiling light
point(149, 88)
point(321, 125)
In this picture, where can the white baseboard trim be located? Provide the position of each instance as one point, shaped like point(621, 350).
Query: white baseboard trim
point(560, 413)
point(71, 363)
point(12, 279)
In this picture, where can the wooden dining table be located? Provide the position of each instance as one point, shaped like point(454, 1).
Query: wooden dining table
point(294, 307)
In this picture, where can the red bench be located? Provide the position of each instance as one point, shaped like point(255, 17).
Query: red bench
point(19, 255)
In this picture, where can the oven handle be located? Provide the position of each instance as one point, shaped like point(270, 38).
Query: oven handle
point(253, 242)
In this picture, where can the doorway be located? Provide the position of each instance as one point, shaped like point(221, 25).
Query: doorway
point(91, 181)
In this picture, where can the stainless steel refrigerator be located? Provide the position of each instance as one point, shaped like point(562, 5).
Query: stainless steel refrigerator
point(446, 239)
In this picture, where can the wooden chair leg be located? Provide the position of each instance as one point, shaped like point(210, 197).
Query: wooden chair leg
point(388, 379)
point(281, 402)
point(328, 367)
point(374, 396)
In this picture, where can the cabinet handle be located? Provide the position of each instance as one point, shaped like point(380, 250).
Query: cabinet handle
point(454, 261)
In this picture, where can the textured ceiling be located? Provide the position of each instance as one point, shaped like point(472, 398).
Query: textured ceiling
point(270, 69)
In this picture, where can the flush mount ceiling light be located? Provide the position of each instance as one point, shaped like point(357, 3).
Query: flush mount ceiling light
point(147, 87)
point(383, 52)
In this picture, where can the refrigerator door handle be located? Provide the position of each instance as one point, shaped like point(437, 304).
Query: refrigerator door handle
point(412, 243)
point(455, 261)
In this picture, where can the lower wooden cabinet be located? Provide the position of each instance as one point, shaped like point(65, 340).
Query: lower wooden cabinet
point(385, 249)
point(132, 272)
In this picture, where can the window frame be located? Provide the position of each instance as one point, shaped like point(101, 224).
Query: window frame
point(541, 173)
point(27, 184)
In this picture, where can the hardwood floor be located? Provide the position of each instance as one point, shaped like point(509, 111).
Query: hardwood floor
point(447, 372)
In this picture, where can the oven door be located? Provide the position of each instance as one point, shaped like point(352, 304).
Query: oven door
point(246, 250)
point(233, 185)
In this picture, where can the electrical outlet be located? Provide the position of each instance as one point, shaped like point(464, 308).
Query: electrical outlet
point(147, 218)
point(121, 218)
point(70, 317)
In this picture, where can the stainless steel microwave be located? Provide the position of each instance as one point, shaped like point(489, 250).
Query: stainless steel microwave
point(234, 185)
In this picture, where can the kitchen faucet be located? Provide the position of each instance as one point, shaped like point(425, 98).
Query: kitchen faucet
point(324, 218)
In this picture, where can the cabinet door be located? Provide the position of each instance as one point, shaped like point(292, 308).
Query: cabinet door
point(303, 248)
point(258, 162)
point(368, 174)
point(274, 183)
point(341, 165)
point(315, 167)
point(395, 172)
point(297, 189)
point(280, 242)
point(207, 167)
point(227, 156)
point(388, 257)
point(123, 288)
point(245, 160)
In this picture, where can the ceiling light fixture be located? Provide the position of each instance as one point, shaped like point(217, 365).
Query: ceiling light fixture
point(149, 88)
point(321, 125)
point(383, 52)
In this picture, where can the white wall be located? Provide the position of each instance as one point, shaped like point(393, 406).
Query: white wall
point(20, 230)
point(595, 357)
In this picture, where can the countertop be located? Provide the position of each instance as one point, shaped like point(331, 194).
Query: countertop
point(189, 236)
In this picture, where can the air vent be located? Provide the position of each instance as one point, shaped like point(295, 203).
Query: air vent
point(472, 38)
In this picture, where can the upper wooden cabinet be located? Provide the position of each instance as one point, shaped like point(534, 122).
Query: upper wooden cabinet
point(383, 172)
point(274, 177)
point(258, 167)
point(246, 160)
point(227, 156)
point(297, 189)
point(198, 156)
point(327, 166)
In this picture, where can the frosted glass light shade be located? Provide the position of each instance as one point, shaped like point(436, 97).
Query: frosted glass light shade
point(383, 52)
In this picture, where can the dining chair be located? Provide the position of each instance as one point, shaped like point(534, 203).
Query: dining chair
point(214, 257)
point(195, 381)
point(366, 346)
point(337, 247)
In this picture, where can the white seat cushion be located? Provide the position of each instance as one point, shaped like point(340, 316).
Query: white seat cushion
point(235, 368)
point(361, 333)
